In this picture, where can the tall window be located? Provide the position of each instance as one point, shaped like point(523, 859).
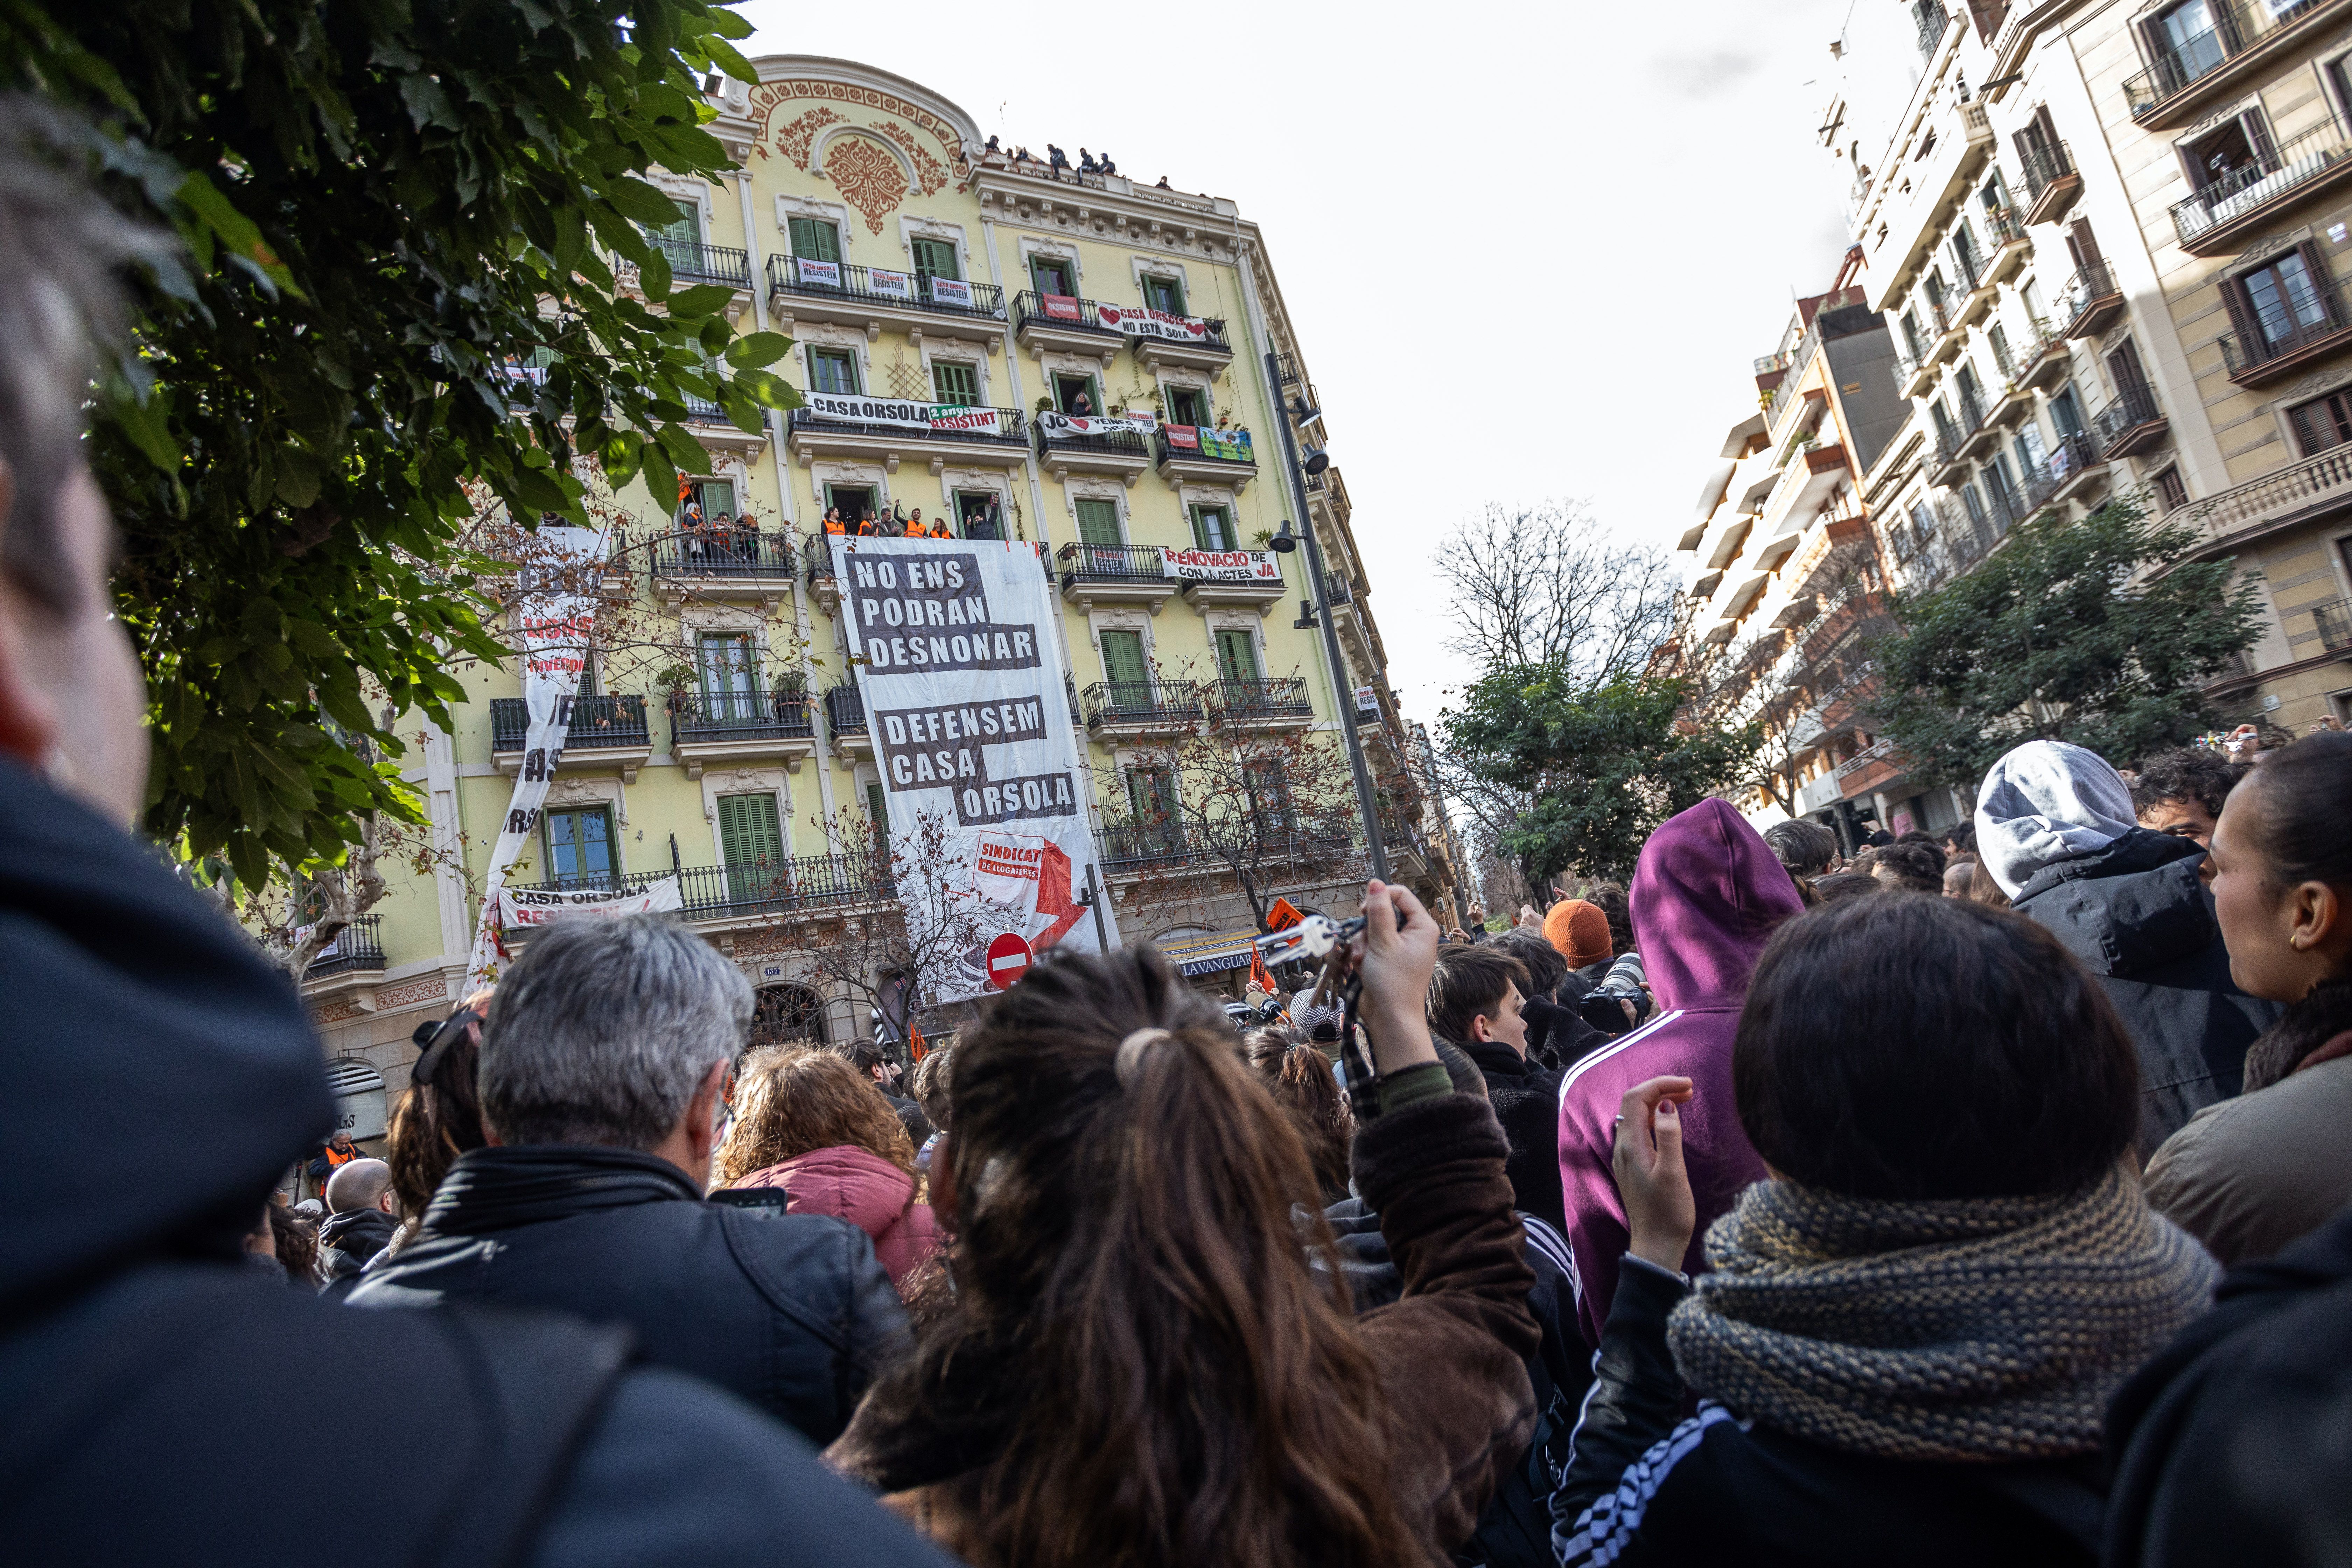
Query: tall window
point(1187, 405)
point(729, 674)
point(1911, 338)
point(876, 812)
point(934, 259)
point(1123, 667)
point(2322, 423)
point(1236, 656)
point(1164, 294)
point(2185, 42)
point(2066, 412)
point(834, 371)
point(1212, 528)
point(1051, 275)
point(678, 238)
point(1076, 395)
point(1099, 523)
point(814, 239)
point(2284, 300)
point(2170, 490)
point(1151, 796)
point(749, 839)
point(2031, 453)
point(1269, 797)
point(954, 383)
point(579, 845)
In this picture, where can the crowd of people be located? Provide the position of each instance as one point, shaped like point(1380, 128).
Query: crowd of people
point(1723, 1214)
point(891, 523)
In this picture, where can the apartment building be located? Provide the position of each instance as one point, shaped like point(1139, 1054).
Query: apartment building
point(1782, 575)
point(913, 262)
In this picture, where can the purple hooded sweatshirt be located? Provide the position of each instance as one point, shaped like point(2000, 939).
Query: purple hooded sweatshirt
point(1706, 894)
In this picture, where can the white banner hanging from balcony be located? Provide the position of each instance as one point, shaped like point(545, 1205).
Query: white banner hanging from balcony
point(1143, 321)
point(537, 906)
point(953, 291)
point(891, 285)
point(1221, 565)
point(941, 416)
point(982, 768)
point(817, 274)
point(555, 612)
point(1064, 426)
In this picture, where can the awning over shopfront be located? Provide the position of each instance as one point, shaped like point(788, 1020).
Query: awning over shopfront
point(1209, 954)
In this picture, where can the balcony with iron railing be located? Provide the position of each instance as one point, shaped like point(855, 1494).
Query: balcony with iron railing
point(2052, 182)
point(2074, 465)
point(2221, 216)
point(844, 710)
point(729, 716)
point(712, 551)
point(997, 429)
point(825, 287)
point(1140, 706)
point(1212, 455)
point(2130, 425)
point(2332, 619)
point(1055, 315)
point(690, 262)
point(2242, 38)
point(2287, 338)
point(1121, 452)
point(598, 723)
point(766, 887)
point(1259, 701)
point(2005, 233)
point(1932, 21)
point(2091, 301)
point(357, 948)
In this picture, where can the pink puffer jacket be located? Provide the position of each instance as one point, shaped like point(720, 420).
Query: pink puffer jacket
point(865, 1189)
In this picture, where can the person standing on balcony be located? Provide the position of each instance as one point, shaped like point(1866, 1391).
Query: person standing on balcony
point(915, 526)
point(833, 523)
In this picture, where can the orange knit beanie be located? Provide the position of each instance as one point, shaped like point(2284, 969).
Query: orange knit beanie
point(1580, 930)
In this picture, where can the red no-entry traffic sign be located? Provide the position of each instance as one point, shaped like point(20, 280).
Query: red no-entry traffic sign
point(1008, 960)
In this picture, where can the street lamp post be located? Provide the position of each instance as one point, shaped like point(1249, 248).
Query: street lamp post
point(1365, 801)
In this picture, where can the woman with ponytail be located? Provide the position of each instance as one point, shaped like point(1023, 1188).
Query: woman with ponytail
point(1140, 1366)
point(2249, 1176)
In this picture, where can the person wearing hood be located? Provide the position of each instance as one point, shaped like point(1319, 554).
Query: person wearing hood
point(364, 1218)
point(605, 1057)
point(811, 1130)
point(1706, 895)
point(149, 1374)
point(2056, 830)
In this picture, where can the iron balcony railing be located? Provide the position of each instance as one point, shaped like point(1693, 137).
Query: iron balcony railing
point(1164, 450)
point(2003, 226)
point(358, 946)
point(596, 722)
point(844, 710)
point(693, 262)
point(2175, 65)
point(2134, 406)
point(2269, 177)
point(2085, 291)
point(716, 552)
point(2273, 342)
point(2044, 167)
point(1140, 702)
point(1062, 313)
point(1287, 368)
point(1970, 266)
point(1142, 845)
point(740, 716)
point(1282, 697)
point(778, 886)
point(1932, 20)
point(817, 551)
point(2070, 457)
point(1011, 429)
point(785, 277)
point(1112, 563)
point(2333, 620)
point(1111, 444)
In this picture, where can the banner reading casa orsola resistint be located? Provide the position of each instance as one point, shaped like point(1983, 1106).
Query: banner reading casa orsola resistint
point(981, 767)
point(1221, 565)
point(910, 415)
point(537, 906)
point(555, 622)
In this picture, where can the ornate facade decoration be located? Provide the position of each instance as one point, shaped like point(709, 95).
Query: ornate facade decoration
point(868, 178)
point(793, 139)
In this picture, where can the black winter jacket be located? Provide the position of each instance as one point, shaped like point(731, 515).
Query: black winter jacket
point(793, 1313)
point(136, 1341)
point(1526, 1098)
point(2229, 1446)
point(2137, 915)
point(346, 1242)
point(1642, 1491)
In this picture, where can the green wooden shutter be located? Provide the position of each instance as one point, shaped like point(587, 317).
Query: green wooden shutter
point(874, 810)
point(935, 258)
point(686, 229)
point(749, 833)
point(953, 382)
point(1236, 656)
point(1099, 523)
point(1211, 528)
point(1123, 663)
point(834, 373)
point(815, 240)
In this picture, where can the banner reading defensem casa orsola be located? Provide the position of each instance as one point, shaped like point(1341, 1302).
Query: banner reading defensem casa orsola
point(980, 766)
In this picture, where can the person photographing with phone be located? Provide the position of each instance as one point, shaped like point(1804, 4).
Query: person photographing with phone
point(1909, 1330)
point(1140, 1365)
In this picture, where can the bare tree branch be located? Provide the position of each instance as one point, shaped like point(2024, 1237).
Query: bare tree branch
point(1541, 585)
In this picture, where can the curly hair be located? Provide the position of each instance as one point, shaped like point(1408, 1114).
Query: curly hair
point(790, 1100)
point(931, 1082)
point(2186, 773)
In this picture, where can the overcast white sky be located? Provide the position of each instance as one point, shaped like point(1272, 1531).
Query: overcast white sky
point(1531, 251)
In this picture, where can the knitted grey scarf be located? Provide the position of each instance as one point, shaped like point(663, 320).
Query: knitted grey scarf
point(1977, 1329)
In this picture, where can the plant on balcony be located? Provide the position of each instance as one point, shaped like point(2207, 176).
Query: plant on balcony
point(792, 684)
point(2099, 632)
point(374, 208)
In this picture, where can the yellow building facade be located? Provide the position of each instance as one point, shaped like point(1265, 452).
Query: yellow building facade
point(916, 266)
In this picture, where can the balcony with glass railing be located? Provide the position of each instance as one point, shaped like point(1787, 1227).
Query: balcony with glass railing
point(2222, 215)
point(2199, 53)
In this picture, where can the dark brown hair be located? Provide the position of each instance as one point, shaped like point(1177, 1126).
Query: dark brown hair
point(790, 1100)
point(434, 1123)
point(297, 1242)
point(1299, 1076)
point(1160, 1377)
point(1470, 983)
point(1610, 899)
point(1910, 1049)
point(928, 1083)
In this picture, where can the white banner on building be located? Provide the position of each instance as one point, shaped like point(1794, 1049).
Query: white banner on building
point(1142, 321)
point(906, 415)
point(555, 622)
point(953, 291)
point(818, 274)
point(1221, 565)
point(1064, 426)
point(537, 906)
point(982, 768)
point(891, 285)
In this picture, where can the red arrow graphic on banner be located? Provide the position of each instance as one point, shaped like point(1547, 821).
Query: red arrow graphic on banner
point(1054, 897)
